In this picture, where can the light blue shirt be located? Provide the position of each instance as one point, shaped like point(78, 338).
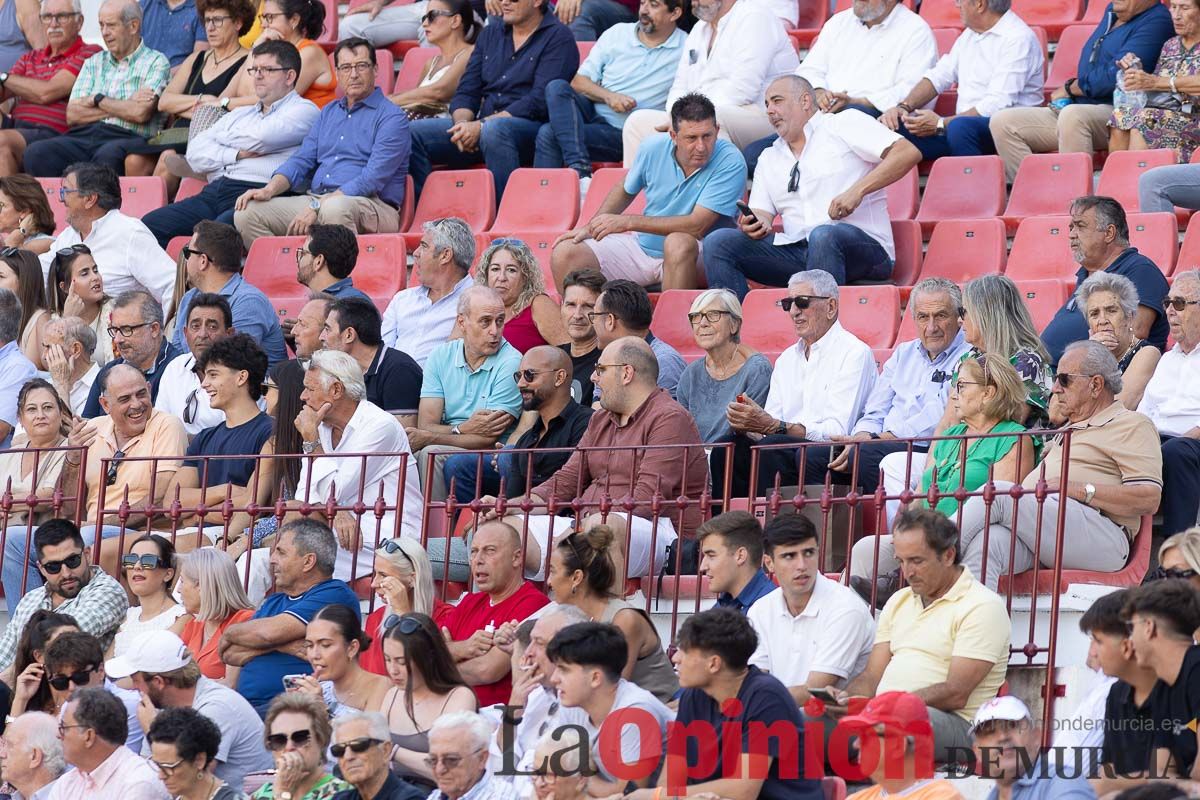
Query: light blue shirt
point(15, 371)
point(417, 325)
point(464, 391)
point(252, 314)
point(1045, 783)
point(910, 396)
point(717, 186)
point(621, 63)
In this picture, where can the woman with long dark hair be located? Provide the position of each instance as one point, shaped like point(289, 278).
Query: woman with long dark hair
point(448, 25)
point(21, 274)
point(31, 692)
point(333, 639)
point(26, 220)
point(75, 288)
point(149, 568)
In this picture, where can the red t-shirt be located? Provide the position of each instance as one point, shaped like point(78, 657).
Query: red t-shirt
point(475, 611)
point(41, 65)
point(371, 659)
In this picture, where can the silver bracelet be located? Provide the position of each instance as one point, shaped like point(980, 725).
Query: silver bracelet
point(1173, 89)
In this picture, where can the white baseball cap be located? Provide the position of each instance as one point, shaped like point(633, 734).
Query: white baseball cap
point(155, 652)
point(1007, 709)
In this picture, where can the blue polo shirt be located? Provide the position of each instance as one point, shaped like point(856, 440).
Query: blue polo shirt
point(172, 31)
point(622, 63)
point(345, 289)
point(759, 586)
point(252, 314)
point(1143, 35)
point(464, 391)
point(15, 371)
point(1044, 783)
point(717, 186)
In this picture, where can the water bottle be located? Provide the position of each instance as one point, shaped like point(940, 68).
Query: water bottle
point(1128, 102)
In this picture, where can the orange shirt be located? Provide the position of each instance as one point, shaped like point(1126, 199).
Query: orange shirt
point(163, 437)
point(320, 94)
point(207, 653)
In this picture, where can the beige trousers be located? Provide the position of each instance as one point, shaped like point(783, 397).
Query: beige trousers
point(1078, 128)
point(742, 125)
point(439, 490)
point(359, 214)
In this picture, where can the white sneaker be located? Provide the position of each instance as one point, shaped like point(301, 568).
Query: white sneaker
point(584, 183)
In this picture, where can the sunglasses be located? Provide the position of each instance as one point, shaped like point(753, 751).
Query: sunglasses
point(393, 546)
point(794, 178)
point(529, 374)
point(189, 252)
point(70, 562)
point(407, 625)
point(278, 741)
point(356, 745)
point(146, 562)
point(1063, 379)
point(1178, 303)
point(191, 406)
point(1162, 572)
point(110, 477)
point(9, 252)
point(67, 252)
point(81, 678)
point(802, 302)
point(433, 14)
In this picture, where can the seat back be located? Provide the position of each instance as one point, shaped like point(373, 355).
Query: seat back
point(1123, 169)
point(1042, 249)
point(1046, 183)
point(671, 324)
point(962, 187)
point(1043, 299)
point(380, 270)
point(469, 194)
point(539, 200)
point(271, 266)
point(767, 329)
point(872, 313)
point(603, 181)
point(964, 249)
point(1156, 236)
point(412, 66)
point(1065, 63)
point(904, 196)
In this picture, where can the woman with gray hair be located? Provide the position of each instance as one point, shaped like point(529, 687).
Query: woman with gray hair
point(729, 371)
point(210, 590)
point(531, 318)
point(1110, 304)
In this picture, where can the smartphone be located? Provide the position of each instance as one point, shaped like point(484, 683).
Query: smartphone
point(745, 209)
point(291, 681)
point(824, 693)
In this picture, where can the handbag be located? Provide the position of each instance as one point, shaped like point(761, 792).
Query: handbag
point(1166, 101)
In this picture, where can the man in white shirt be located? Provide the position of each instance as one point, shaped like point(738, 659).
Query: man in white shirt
point(825, 176)
point(421, 318)
point(813, 632)
point(1172, 402)
point(997, 63)
point(125, 251)
point(68, 344)
point(735, 47)
point(33, 757)
point(179, 394)
point(818, 390)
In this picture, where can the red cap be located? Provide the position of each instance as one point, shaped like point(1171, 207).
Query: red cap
point(901, 709)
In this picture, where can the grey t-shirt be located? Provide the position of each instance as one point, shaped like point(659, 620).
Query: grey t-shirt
point(241, 749)
point(670, 363)
point(707, 398)
point(629, 695)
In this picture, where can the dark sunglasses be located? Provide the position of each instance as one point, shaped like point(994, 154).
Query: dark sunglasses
point(1063, 379)
point(110, 477)
point(147, 562)
point(1161, 573)
point(60, 683)
point(433, 14)
point(357, 745)
point(407, 625)
point(802, 302)
point(9, 252)
point(70, 562)
point(794, 178)
point(1178, 303)
point(392, 546)
point(67, 252)
point(278, 741)
point(189, 252)
point(529, 374)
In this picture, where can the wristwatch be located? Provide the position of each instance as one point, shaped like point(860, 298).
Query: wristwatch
point(782, 429)
point(96, 100)
point(454, 429)
point(1089, 492)
point(3, 78)
point(224, 103)
point(284, 796)
point(941, 126)
point(308, 447)
point(314, 203)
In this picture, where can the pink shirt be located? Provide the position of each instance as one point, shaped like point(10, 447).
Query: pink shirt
point(122, 776)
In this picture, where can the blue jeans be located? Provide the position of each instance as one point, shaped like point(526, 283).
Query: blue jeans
point(596, 17)
point(576, 135)
point(842, 250)
point(215, 201)
point(462, 469)
point(964, 136)
point(755, 149)
point(18, 569)
point(1163, 188)
point(504, 145)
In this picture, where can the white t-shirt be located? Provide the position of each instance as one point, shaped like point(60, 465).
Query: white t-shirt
point(633, 749)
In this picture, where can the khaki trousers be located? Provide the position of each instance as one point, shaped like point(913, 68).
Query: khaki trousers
point(359, 214)
point(439, 490)
point(1078, 128)
point(742, 125)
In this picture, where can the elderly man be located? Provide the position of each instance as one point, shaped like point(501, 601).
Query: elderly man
point(310, 324)
point(354, 162)
point(732, 51)
point(1173, 407)
point(326, 260)
point(419, 319)
point(1007, 746)
point(1099, 236)
point(207, 321)
point(469, 399)
point(837, 220)
point(125, 251)
point(818, 390)
point(997, 63)
point(243, 149)
point(731, 557)
point(40, 82)
point(624, 309)
point(1116, 476)
point(31, 759)
point(691, 179)
point(458, 757)
point(1076, 121)
point(136, 327)
point(581, 292)
point(393, 379)
point(67, 346)
point(93, 730)
point(113, 105)
point(362, 745)
point(15, 368)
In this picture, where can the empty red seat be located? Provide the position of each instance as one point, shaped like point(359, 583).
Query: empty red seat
point(872, 313)
point(1156, 236)
point(176, 245)
point(1131, 575)
point(469, 194)
point(941, 14)
point(945, 38)
point(906, 235)
point(1065, 63)
point(768, 328)
point(671, 323)
point(1043, 299)
point(379, 271)
point(1052, 15)
point(538, 200)
point(271, 266)
point(964, 249)
point(1122, 169)
point(962, 187)
point(140, 196)
point(409, 209)
point(813, 14)
point(585, 48)
point(1042, 249)
point(189, 187)
point(1189, 251)
point(603, 181)
point(904, 196)
point(541, 243)
point(410, 69)
point(1046, 183)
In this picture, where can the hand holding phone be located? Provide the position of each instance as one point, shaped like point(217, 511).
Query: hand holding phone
point(745, 209)
point(824, 693)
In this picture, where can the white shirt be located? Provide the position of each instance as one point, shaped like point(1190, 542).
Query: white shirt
point(127, 255)
point(274, 135)
point(997, 69)
point(833, 634)
point(750, 50)
point(839, 149)
point(787, 11)
point(1083, 732)
point(541, 714)
point(82, 388)
point(825, 390)
point(180, 395)
point(1172, 397)
point(628, 695)
point(415, 325)
point(888, 59)
point(370, 430)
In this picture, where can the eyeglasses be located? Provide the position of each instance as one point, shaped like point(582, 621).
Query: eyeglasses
point(360, 745)
point(301, 253)
point(711, 317)
point(599, 368)
point(125, 330)
point(110, 477)
point(167, 769)
point(408, 625)
point(801, 302)
point(189, 252)
point(449, 762)
point(433, 14)
point(59, 18)
point(1172, 572)
point(70, 562)
point(268, 19)
point(256, 71)
point(190, 406)
point(1178, 303)
point(959, 383)
point(278, 741)
point(81, 678)
point(591, 315)
point(74, 249)
point(794, 179)
point(63, 191)
point(357, 66)
point(1063, 379)
point(62, 729)
point(529, 374)
point(216, 22)
point(145, 562)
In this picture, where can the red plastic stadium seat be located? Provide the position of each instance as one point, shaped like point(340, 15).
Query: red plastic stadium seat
point(542, 244)
point(941, 14)
point(1042, 249)
point(1043, 299)
point(964, 249)
point(603, 181)
point(945, 38)
point(1119, 178)
point(1156, 236)
point(904, 196)
point(469, 194)
point(1189, 252)
point(671, 323)
point(1044, 38)
point(1046, 183)
point(60, 211)
point(767, 329)
point(962, 187)
point(882, 354)
point(872, 313)
point(803, 39)
point(946, 105)
point(1052, 15)
point(1065, 63)
point(584, 49)
point(409, 209)
point(1130, 575)
point(1094, 12)
point(686, 585)
point(379, 271)
point(140, 196)
point(189, 187)
point(813, 14)
point(412, 66)
point(906, 235)
point(176, 245)
point(271, 266)
point(538, 200)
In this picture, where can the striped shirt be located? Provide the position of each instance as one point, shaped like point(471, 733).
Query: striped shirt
point(122, 79)
point(43, 65)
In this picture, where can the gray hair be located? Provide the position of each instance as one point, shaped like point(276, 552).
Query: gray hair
point(821, 281)
point(471, 292)
point(799, 86)
point(76, 330)
point(41, 733)
point(1097, 360)
point(152, 310)
point(1122, 287)
point(573, 614)
point(724, 300)
point(377, 724)
point(216, 577)
point(76, 6)
point(130, 9)
point(455, 235)
point(1187, 276)
point(936, 285)
point(478, 729)
point(335, 365)
point(10, 316)
point(1108, 212)
point(565, 743)
point(317, 538)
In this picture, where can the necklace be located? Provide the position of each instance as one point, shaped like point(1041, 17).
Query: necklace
point(1127, 351)
point(724, 370)
point(216, 62)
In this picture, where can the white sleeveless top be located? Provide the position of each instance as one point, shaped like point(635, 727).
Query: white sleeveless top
point(133, 627)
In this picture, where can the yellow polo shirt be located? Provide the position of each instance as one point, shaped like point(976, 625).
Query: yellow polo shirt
point(163, 437)
point(969, 621)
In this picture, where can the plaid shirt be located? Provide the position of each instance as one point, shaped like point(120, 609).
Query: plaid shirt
point(99, 608)
point(121, 80)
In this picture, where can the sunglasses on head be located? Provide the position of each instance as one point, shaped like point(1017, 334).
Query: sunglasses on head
point(802, 302)
point(67, 252)
point(360, 745)
point(278, 741)
point(70, 562)
point(9, 252)
point(81, 678)
point(407, 625)
point(134, 561)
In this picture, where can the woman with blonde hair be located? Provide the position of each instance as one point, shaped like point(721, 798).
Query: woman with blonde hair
point(211, 591)
point(1179, 557)
point(1110, 305)
point(531, 317)
point(403, 580)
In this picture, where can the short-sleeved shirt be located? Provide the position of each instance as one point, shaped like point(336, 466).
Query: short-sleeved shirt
point(765, 701)
point(246, 439)
point(261, 677)
point(622, 63)
point(565, 430)
point(43, 65)
point(968, 621)
point(1128, 731)
point(475, 612)
point(1176, 709)
point(581, 373)
point(172, 31)
point(717, 186)
point(253, 314)
point(241, 749)
point(163, 439)
point(755, 589)
point(144, 68)
point(207, 652)
point(633, 747)
point(946, 460)
point(464, 390)
point(707, 399)
point(394, 381)
point(15, 372)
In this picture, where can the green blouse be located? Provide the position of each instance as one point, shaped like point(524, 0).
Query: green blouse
point(946, 456)
point(327, 787)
